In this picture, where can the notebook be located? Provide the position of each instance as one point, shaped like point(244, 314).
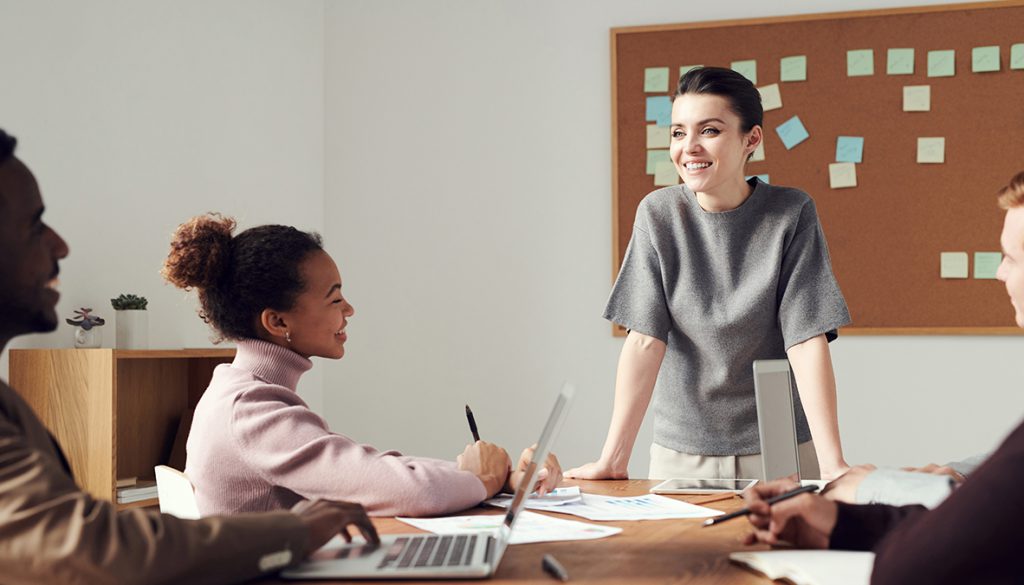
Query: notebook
point(433, 556)
point(810, 567)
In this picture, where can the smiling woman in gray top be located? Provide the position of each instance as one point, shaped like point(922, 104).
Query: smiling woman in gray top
point(721, 271)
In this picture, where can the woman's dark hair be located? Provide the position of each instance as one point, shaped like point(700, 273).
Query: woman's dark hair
point(7, 145)
point(238, 277)
point(741, 93)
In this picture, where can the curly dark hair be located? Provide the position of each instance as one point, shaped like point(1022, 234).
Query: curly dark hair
point(237, 277)
point(7, 146)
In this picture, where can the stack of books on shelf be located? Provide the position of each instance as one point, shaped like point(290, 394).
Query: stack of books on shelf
point(131, 490)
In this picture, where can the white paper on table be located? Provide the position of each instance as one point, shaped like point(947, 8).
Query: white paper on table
point(811, 567)
point(554, 498)
point(646, 507)
point(530, 527)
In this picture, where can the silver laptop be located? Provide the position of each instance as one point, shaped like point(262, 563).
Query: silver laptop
point(433, 556)
point(776, 420)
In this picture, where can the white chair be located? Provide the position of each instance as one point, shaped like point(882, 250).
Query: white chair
point(176, 493)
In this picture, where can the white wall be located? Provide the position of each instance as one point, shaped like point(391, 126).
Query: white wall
point(468, 205)
point(135, 116)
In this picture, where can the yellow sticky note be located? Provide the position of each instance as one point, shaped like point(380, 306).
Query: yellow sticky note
point(657, 136)
point(953, 264)
point(771, 99)
point(842, 175)
point(665, 174)
point(917, 98)
point(931, 150)
point(758, 154)
point(654, 157)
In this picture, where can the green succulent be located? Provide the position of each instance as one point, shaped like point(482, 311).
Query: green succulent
point(129, 303)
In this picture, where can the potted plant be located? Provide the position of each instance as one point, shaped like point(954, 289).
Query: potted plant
point(87, 328)
point(132, 321)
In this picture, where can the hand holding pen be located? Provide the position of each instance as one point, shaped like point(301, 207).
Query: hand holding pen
point(800, 518)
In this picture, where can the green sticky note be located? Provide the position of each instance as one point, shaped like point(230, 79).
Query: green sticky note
point(747, 69)
point(654, 157)
point(900, 62)
point(941, 63)
point(985, 59)
point(793, 68)
point(686, 69)
point(860, 63)
point(986, 264)
point(665, 174)
point(656, 79)
point(1017, 56)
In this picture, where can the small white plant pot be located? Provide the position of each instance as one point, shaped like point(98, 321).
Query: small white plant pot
point(132, 329)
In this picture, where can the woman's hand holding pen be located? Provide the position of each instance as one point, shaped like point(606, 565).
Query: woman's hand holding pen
point(805, 521)
point(488, 462)
point(548, 477)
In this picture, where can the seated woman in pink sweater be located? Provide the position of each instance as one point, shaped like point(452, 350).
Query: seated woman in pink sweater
point(254, 444)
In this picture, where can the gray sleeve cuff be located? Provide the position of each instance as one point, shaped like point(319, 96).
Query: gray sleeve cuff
point(901, 488)
point(967, 466)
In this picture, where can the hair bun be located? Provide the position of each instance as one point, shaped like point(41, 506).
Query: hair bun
point(200, 251)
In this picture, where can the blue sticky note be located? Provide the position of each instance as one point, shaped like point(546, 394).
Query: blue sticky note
point(654, 157)
point(985, 59)
point(900, 62)
point(941, 63)
point(860, 63)
point(659, 109)
point(849, 149)
point(792, 132)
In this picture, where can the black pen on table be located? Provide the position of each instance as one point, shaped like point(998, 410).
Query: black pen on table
point(554, 568)
point(472, 424)
point(745, 511)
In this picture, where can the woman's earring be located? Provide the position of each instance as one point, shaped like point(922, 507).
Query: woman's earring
point(288, 336)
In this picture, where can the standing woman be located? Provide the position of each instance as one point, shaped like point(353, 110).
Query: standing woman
point(721, 271)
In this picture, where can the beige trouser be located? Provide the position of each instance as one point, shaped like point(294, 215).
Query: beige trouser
point(667, 464)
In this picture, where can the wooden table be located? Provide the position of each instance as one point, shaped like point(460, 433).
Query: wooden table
point(649, 551)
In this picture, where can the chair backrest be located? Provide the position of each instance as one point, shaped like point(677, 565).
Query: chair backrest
point(176, 493)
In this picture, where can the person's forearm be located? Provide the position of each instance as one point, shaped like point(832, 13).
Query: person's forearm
point(638, 368)
point(816, 382)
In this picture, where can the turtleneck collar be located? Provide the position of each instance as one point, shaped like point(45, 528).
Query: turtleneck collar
point(271, 363)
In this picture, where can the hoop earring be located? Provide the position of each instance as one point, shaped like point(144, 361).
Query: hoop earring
point(288, 336)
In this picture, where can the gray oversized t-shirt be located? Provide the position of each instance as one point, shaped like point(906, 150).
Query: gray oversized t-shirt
point(722, 290)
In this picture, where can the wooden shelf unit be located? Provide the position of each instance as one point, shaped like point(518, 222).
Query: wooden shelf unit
point(115, 412)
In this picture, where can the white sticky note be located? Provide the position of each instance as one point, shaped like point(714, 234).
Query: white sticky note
point(953, 265)
point(665, 174)
point(917, 98)
point(758, 154)
point(771, 99)
point(1017, 56)
point(657, 136)
point(931, 150)
point(842, 175)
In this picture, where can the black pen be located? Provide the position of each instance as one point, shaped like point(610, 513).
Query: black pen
point(745, 511)
point(554, 568)
point(472, 424)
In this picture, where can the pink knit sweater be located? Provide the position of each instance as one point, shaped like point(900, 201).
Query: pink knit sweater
point(255, 446)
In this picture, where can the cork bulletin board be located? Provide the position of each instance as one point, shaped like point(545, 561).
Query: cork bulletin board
point(887, 234)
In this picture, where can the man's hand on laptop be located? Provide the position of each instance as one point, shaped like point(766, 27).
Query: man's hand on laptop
point(324, 519)
point(489, 462)
point(548, 477)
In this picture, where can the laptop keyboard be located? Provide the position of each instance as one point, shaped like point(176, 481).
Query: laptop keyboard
point(427, 551)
